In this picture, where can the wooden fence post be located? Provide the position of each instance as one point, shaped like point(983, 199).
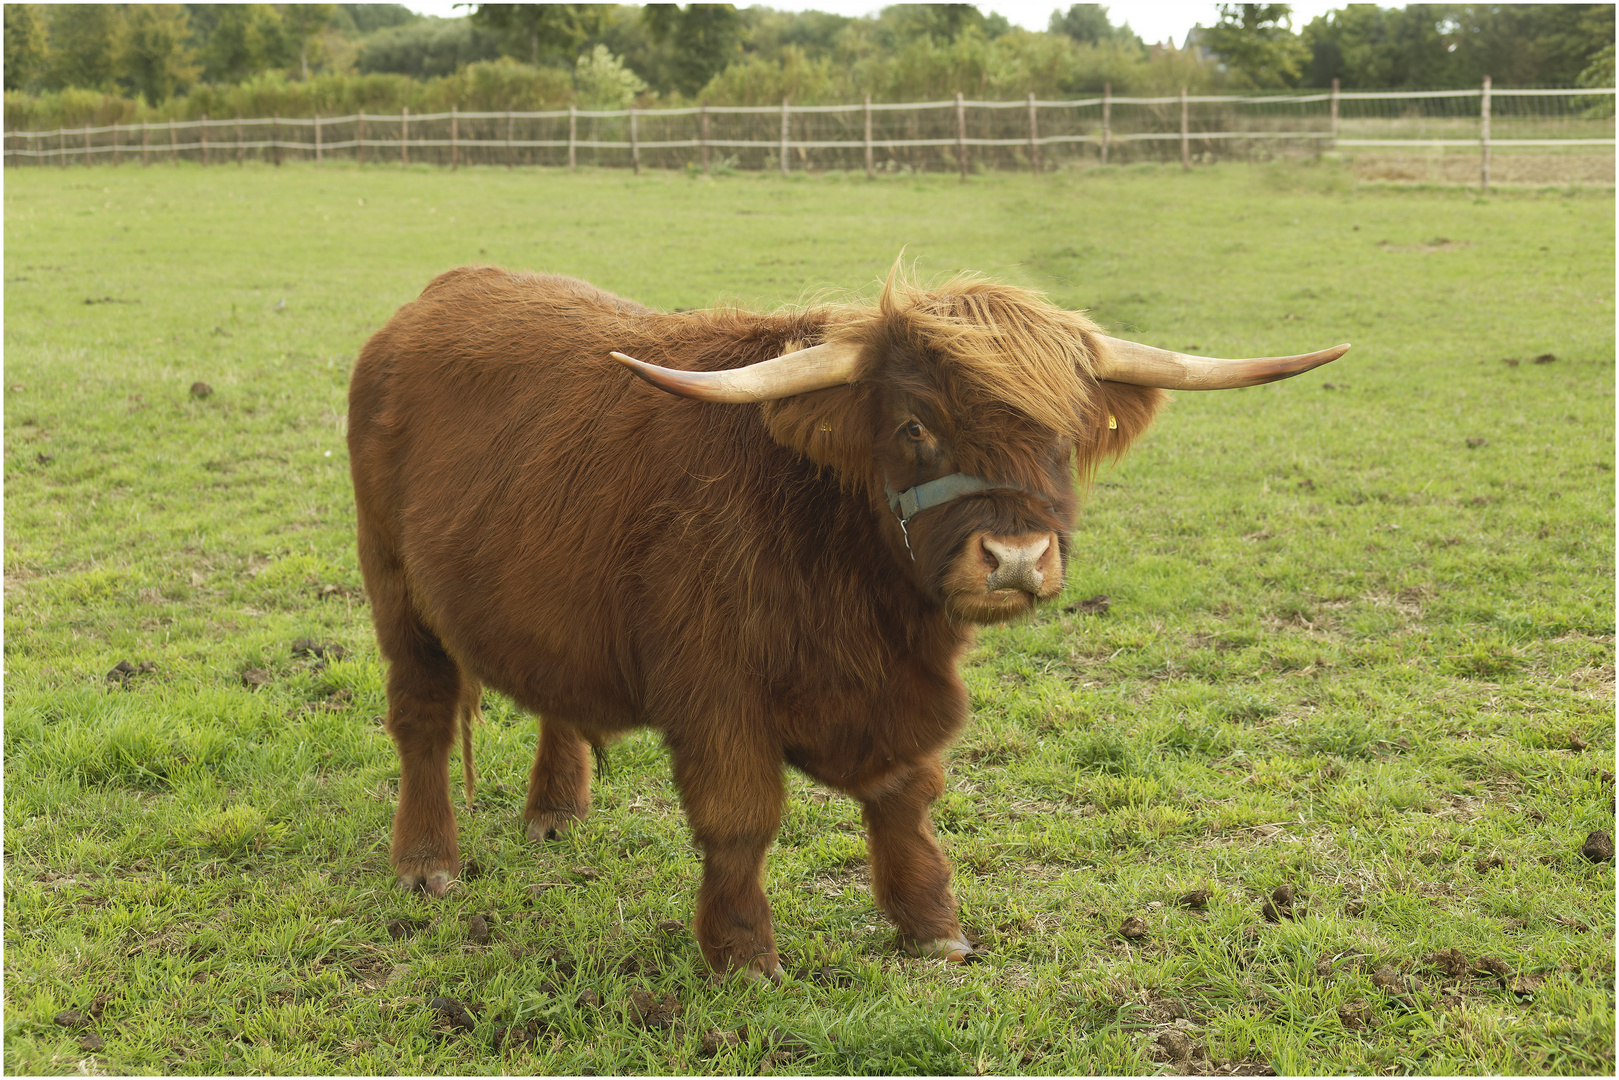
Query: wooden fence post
point(871, 171)
point(1484, 137)
point(86, 144)
point(275, 138)
point(635, 143)
point(1186, 142)
point(144, 160)
point(573, 138)
point(240, 152)
point(115, 142)
point(784, 130)
point(359, 138)
point(455, 138)
point(404, 136)
point(174, 145)
point(318, 157)
point(203, 135)
point(509, 124)
point(702, 134)
point(61, 139)
point(1335, 114)
point(961, 135)
point(1034, 136)
point(1107, 119)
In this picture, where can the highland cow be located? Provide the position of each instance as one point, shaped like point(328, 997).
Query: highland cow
point(767, 536)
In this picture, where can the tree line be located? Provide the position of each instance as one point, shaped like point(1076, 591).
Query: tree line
point(99, 63)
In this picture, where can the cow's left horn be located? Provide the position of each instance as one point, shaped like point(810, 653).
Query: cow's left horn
point(815, 368)
point(1142, 365)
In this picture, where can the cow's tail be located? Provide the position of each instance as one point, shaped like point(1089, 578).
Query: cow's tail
point(471, 709)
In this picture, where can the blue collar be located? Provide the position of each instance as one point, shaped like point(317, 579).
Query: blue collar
point(912, 501)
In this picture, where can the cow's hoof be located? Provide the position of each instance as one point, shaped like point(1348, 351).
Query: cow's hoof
point(951, 950)
point(550, 825)
point(433, 883)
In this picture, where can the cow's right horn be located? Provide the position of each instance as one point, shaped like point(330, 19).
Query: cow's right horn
point(1142, 365)
point(815, 368)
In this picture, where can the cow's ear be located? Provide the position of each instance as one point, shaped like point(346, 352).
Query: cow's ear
point(1120, 413)
point(830, 427)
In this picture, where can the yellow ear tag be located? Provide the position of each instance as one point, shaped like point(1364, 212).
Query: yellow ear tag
point(1112, 422)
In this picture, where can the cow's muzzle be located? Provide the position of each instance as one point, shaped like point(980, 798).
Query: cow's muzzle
point(1022, 563)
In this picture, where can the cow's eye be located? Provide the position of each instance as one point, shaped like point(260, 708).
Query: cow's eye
point(915, 431)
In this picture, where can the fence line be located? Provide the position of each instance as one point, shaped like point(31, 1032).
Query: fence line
point(954, 134)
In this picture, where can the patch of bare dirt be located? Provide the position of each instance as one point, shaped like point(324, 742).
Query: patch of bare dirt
point(647, 1011)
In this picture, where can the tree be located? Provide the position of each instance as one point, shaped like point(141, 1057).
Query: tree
point(428, 48)
point(604, 82)
point(303, 22)
point(27, 45)
point(85, 41)
point(535, 30)
point(156, 58)
point(698, 43)
point(1089, 24)
point(246, 39)
point(1257, 44)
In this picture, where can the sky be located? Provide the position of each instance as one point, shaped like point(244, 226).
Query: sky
point(1154, 20)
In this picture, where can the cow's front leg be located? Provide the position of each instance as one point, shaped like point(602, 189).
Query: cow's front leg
point(910, 878)
point(733, 797)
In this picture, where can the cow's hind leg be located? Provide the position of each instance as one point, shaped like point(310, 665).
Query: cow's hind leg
point(425, 701)
point(559, 784)
point(427, 697)
point(910, 878)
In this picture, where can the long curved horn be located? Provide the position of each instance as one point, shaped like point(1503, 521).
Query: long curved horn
point(1142, 365)
point(815, 368)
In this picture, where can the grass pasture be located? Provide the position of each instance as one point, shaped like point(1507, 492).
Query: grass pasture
point(1359, 644)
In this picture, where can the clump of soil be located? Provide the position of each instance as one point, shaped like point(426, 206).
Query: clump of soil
point(478, 930)
point(201, 390)
point(1356, 1015)
point(1575, 743)
point(1133, 927)
point(1197, 899)
point(71, 1018)
point(399, 929)
point(1492, 861)
point(715, 1040)
point(1598, 847)
point(589, 873)
point(1280, 905)
point(589, 998)
point(453, 1013)
point(253, 678)
point(671, 926)
point(1546, 358)
point(1451, 963)
point(1388, 980)
point(124, 671)
point(1095, 605)
point(649, 1012)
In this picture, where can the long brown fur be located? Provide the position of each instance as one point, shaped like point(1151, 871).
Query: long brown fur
point(534, 519)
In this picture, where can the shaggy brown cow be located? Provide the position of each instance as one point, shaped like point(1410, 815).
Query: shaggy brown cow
point(787, 571)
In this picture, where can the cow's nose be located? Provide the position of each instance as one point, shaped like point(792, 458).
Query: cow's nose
point(1017, 564)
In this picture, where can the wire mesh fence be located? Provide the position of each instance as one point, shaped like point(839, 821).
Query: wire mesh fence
point(1572, 126)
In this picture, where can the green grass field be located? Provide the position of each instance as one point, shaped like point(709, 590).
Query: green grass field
point(1359, 643)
